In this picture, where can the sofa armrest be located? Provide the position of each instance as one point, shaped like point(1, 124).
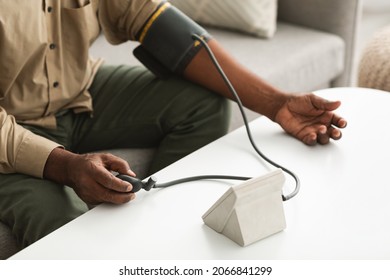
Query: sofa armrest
point(340, 17)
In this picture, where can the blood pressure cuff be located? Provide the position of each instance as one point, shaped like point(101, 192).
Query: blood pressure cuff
point(166, 43)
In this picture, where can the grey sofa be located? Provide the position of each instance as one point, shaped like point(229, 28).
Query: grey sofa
point(313, 48)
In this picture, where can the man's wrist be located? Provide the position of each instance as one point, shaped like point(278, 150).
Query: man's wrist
point(56, 167)
point(272, 101)
point(277, 103)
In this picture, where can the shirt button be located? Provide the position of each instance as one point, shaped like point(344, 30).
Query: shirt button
point(49, 9)
point(56, 84)
point(52, 46)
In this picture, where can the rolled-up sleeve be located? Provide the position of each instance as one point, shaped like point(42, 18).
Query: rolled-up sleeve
point(121, 20)
point(22, 151)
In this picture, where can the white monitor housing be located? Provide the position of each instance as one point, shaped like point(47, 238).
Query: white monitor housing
point(250, 211)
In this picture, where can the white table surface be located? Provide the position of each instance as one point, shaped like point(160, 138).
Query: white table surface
point(341, 212)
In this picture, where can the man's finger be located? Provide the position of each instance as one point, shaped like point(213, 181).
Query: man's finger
point(334, 133)
point(117, 164)
point(109, 181)
point(310, 139)
point(323, 138)
point(116, 197)
point(339, 121)
point(324, 104)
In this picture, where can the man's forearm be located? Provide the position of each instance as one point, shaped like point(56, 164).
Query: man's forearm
point(254, 92)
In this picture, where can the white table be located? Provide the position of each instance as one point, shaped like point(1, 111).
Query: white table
point(342, 211)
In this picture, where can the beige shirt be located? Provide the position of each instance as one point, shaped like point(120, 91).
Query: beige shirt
point(45, 66)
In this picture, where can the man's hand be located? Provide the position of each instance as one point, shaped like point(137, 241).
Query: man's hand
point(310, 119)
point(90, 176)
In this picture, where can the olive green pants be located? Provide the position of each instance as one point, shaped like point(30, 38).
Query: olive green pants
point(132, 109)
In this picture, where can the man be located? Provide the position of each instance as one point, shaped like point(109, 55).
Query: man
point(56, 104)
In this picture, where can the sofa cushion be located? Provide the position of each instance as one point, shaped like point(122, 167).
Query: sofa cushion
point(374, 67)
point(257, 17)
point(296, 59)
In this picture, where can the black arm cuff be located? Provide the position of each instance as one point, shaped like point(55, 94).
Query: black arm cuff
point(167, 37)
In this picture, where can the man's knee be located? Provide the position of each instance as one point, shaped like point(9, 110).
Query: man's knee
point(195, 118)
point(206, 109)
point(50, 210)
point(34, 208)
point(218, 112)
